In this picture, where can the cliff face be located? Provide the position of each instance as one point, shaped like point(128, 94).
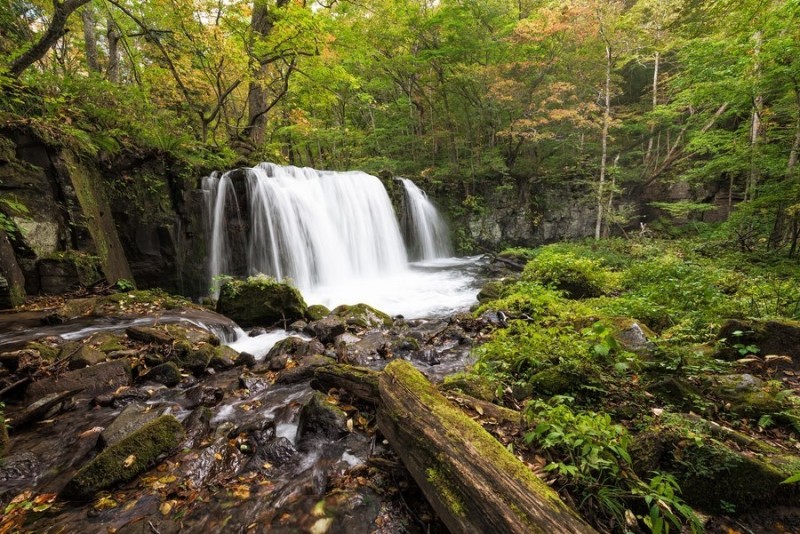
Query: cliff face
point(67, 221)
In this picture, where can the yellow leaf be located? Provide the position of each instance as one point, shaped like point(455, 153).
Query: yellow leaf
point(165, 508)
point(479, 409)
point(129, 461)
point(217, 456)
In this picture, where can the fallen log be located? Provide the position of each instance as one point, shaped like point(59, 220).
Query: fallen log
point(470, 479)
point(359, 381)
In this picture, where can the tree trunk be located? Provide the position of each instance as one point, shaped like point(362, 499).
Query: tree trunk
point(470, 479)
point(649, 154)
point(755, 124)
point(90, 38)
point(113, 36)
point(604, 144)
point(56, 29)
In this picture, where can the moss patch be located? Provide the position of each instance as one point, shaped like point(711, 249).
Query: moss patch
point(127, 459)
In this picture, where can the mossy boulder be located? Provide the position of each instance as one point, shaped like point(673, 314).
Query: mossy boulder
point(633, 336)
point(262, 301)
point(747, 395)
point(470, 384)
point(771, 337)
point(45, 350)
point(193, 358)
point(712, 475)
point(328, 328)
point(224, 357)
point(86, 356)
point(321, 419)
point(315, 312)
point(362, 316)
point(676, 392)
point(106, 342)
point(166, 373)
point(561, 379)
point(491, 291)
point(127, 459)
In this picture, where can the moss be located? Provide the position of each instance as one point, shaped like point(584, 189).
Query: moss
point(315, 312)
point(474, 385)
point(564, 378)
point(261, 300)
point(191, 358)
point(363, 316)
point(127, 459)
point(47, 352)
point(452, 500)
point(462, 428)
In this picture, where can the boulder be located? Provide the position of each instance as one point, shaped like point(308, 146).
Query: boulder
point(362, 317)
point(473, 385)
point(194, 359)
point(95, 379)
point(327, 328)
point(633, 336)
point(132, 418)
point(278, 451)
point(125, 460)
point(321, 419)
point(771, 337)
point(86, 356)
point(224, 358)
point(147, 334)
point(747, 395)
point(315, 312)
point(262, 301)
point(166, 373)
point(245, 359)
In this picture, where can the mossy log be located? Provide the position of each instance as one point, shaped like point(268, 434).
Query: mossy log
point(470, 479)
point(361, 382)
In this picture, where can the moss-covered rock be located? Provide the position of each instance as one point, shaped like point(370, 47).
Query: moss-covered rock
point(771, 337)
point(473, 385)
point(127, 459)
point(107, 342)
point(321, 419)
point(712, 475)
point(679, 393)
point(633, 335)
point(166, 373)
point(561, 379)
point(491, 291)
point(224, 357)
point(315, 312)
point(362, 316)
point(86, 356)
point(261, 300)
point(194, 359)
point(45, 350)
point(579, 277)
point(747, 395)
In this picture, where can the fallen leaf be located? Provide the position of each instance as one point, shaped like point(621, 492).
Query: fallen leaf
point(129, 461)
point(479, 409)
point(165, 508)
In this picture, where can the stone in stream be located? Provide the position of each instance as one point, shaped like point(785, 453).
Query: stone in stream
point(195, 359)
point(261, 301)
point(328, 328)
point(320, 419)
point(86, 356)
point(278, 451)
point(43, 408)
point(125, 460)
point(224, 358)
point(95, 379)
point(361, 317)
point(147, 334)
point(165, 373)
point(133, 417)
point(245, 359)
point(315, 312)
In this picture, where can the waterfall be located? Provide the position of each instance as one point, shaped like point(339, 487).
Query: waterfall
point(314, 227)
point(429, 235)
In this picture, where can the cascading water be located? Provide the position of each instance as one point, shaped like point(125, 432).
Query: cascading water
point(429, 235)
point(335, 235)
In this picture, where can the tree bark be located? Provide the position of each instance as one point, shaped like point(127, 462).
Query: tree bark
point(471, 480)
point(56, 30)
point(90, 38)
point(604, 144)
point(113, 36)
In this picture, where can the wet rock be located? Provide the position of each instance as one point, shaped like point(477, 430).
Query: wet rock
point(304, 371)
point(194, 359)
point(198, 426)
point(166, 373)
point(127, 459)
point(310, 348)
point(245, 359)
point(132, 418)
point(253, 383)
point(278, 451)
point(328, 328)
point(43, 408)
point(204, 396)
point(21, 465)
point(146, 334)
point(260, 301)
point(121, 397)
point(86, 356)
point(224, 358)
point(277, 362)
point(362, 317)
point(321, 419)
point(284, 349)
point(94, 379)
point(257, 331)
point(491, 291)
point(119, 354)
point(298, 326)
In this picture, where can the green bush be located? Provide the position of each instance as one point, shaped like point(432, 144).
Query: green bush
point(579, 277)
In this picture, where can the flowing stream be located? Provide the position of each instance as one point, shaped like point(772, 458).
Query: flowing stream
point(336, 236)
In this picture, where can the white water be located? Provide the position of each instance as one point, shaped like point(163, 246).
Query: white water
point(335, 236)
point(429, 234)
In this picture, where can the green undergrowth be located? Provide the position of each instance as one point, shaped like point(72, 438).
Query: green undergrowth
point(602, 335)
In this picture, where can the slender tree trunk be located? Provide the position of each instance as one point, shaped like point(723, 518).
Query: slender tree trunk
point(90, 37)
point(112, 36)
point(604, 143)
point(794, 153)
point(755, 123)
point(56, 30)
point(649, 154)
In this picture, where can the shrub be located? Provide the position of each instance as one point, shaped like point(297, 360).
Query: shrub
point(578, 277)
